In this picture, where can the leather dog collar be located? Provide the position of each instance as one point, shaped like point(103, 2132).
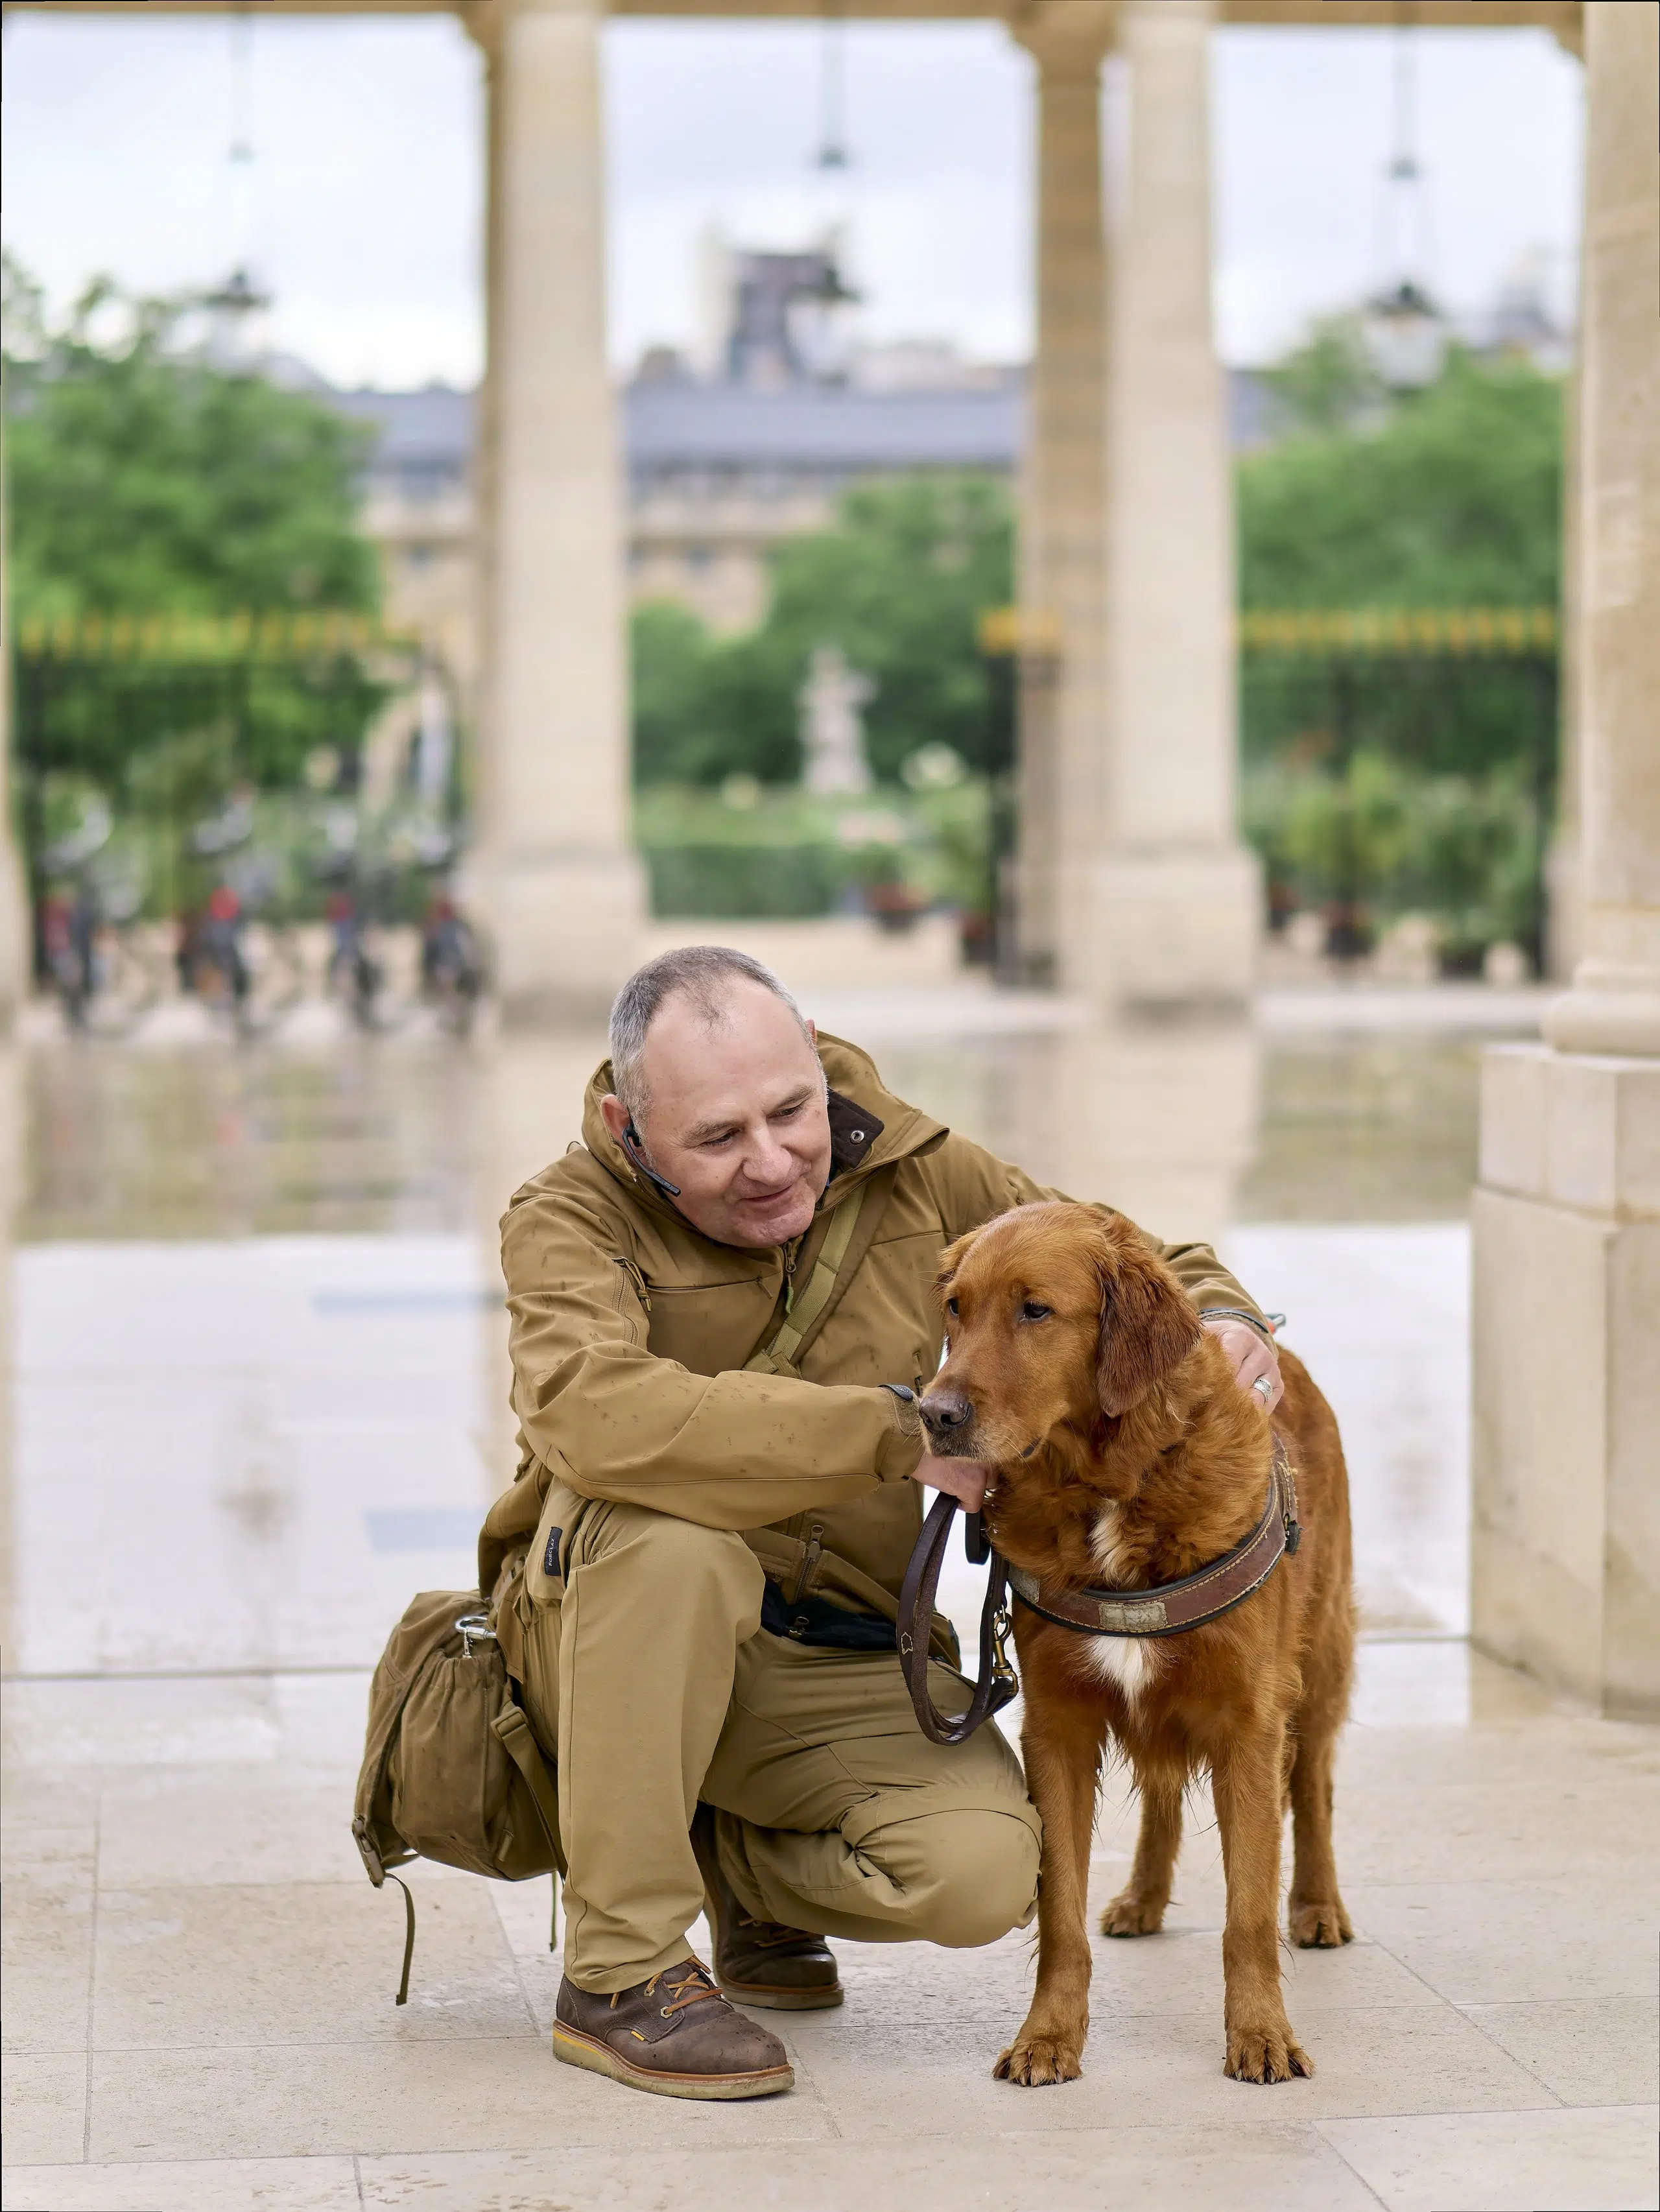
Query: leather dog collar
point(1169, 1608)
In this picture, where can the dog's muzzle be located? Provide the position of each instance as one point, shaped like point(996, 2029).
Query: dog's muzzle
point(948, 1417)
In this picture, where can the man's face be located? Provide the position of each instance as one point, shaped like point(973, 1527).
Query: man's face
point(736, 1115)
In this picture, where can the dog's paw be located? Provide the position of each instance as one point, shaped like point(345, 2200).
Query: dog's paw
point(1034, 2060)
point(1321, 1927)
point(1129, 1915)
point(1268, 2054)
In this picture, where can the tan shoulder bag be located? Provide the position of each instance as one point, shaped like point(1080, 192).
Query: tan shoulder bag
point(451, 1771)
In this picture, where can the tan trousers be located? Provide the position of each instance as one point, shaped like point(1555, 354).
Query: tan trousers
point(649, 1678)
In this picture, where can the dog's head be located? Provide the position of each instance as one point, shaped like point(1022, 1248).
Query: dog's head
point(1056, 1315)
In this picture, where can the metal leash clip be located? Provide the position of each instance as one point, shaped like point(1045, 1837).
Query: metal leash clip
point(1002, 1666)
point(474, 1627)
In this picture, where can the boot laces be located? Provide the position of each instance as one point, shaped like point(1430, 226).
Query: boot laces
point(693, 1986)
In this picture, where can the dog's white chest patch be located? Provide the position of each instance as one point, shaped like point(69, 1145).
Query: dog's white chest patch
point(1130, 1661)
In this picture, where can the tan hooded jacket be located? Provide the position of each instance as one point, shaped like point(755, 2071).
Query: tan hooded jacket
point(631, 1332)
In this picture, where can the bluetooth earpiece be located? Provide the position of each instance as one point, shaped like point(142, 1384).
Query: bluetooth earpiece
point(637, 1161)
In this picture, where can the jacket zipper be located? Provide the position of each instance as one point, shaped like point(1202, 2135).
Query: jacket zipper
point(629, 1273)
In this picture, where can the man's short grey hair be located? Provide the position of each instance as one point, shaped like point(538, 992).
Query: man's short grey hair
point(703, 973)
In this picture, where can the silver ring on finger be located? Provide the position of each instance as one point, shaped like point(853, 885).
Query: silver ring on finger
point(1264, 1387)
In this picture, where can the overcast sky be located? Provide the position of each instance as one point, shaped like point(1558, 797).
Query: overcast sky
point(364, 208)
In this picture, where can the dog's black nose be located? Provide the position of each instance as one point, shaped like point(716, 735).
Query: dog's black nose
point(944, 1412)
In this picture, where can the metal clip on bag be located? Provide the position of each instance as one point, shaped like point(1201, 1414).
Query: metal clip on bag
point(450, 1770)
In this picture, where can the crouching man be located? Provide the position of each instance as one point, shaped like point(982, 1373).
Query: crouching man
point(722, 1303)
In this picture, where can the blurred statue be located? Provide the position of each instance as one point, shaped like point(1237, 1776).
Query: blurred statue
point(832, 726)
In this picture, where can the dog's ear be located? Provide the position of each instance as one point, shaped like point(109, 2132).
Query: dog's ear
point(951, 1261)
point(1148, 1326)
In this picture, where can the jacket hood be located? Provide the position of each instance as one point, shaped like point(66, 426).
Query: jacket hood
point(850, 1073)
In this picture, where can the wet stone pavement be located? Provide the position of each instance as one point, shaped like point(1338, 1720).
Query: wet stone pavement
point(254, 1358)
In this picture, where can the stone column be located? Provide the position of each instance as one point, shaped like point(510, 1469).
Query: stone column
point(1565, 1544)
point(1176, 917)
point(1063, 552)
point(552, 873)
point(15, 928)
point(1562, 945)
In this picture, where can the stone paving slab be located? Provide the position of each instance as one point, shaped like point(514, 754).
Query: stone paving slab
point(199, 1987)
point(1601, 2160)
point(1580, 2161)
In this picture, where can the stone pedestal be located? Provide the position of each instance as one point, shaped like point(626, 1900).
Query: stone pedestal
point(1158, 1119)
point(1565, 1439)
point(1178, 925)
point(1178, 898)
point(1062, 536)
point(1565, 1550)
point(553, 876)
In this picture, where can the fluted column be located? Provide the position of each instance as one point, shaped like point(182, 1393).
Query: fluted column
point(1062, 524)
point(1565, 1544)
point(552, 872)
point(1177, 918)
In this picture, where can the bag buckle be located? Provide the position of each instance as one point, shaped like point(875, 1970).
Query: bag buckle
point(474, 1628)
point(365, 1842)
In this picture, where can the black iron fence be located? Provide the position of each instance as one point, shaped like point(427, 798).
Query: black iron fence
point(292, 762)
point(237, 805)
point(1403, 762)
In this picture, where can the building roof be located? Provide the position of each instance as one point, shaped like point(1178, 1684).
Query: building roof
point(823, 426)
point(828, 428)
point(429, 428)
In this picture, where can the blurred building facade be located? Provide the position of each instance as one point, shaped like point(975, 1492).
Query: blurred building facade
point(719, 470)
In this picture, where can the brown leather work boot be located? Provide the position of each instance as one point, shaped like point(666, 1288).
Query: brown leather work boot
point(675, 2035)
point(760, 1962)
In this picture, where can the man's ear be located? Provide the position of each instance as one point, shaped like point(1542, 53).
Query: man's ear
point(614, 1113)
point(1147, 1328)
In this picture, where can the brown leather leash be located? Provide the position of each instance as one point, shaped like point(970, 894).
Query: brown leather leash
point(1161, 1609)
point(998, 1683)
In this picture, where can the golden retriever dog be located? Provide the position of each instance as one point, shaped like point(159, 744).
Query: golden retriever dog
point(1125, 1457)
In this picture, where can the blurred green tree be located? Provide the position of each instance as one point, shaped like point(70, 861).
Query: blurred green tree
point(898, 581)
point(1329, 383)
point(1417, 783)
point(143, 479)
point(1453, 499)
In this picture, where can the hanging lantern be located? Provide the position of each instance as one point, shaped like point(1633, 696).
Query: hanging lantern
point(1404, 332)
point(1405, 336)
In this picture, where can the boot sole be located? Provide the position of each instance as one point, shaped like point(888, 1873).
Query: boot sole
point(575, 2049)
point(780, 1999)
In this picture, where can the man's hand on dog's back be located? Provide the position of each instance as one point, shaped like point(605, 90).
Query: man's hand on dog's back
point(1252, 1357)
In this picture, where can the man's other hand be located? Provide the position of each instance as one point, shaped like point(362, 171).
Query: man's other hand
point(1252, 1360)
point(965, 1479)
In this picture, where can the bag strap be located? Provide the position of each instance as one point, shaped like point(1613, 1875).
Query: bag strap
point(514, 1731)
point(997, 1684)
point(402, 1996)
point(801, 1314)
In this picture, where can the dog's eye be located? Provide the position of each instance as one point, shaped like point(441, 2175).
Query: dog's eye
point(950, 1308)
point(1032, 1311)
